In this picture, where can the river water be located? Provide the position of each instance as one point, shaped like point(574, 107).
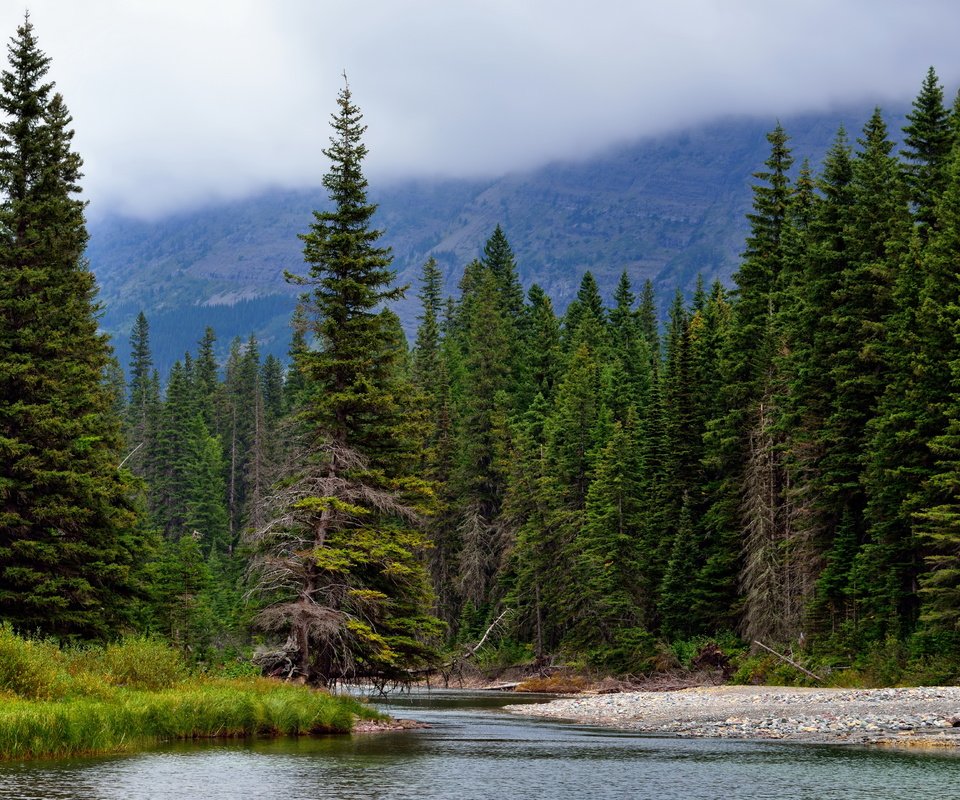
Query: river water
point(475, 750)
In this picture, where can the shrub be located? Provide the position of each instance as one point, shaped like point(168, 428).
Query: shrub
point(143, 663)
point(29, 669)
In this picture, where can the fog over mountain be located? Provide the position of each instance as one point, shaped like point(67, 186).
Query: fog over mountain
point(179, 105)
point(665, 208)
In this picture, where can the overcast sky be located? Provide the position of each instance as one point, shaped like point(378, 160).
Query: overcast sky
point(178, 102)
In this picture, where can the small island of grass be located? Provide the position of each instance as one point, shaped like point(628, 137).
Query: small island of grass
point(57, 702)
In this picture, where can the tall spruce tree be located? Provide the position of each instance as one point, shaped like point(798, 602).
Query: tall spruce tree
point(337, 559)
point(66, 551)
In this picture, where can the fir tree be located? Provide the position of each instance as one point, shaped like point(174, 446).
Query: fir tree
point(67, 539)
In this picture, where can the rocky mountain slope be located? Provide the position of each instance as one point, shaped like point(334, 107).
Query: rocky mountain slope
point(665, 208)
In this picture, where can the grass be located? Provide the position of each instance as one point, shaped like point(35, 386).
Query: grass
point(57, 703)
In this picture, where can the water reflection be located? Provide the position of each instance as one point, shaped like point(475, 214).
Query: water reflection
point(474, 750)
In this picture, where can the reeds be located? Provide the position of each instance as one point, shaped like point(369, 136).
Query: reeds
point(56, 703)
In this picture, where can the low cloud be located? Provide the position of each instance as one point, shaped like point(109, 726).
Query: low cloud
point(180, 103)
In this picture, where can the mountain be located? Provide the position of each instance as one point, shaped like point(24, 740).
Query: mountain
point(664, 208)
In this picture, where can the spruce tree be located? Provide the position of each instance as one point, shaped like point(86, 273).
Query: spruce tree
point(337, 561)
point(936, 373)
point(741, 448)
point(541, 359)
point(142, 406)
point(608, 560)
point(499, 259)
point(878, 239)
point(928, 138)
point(66, 541)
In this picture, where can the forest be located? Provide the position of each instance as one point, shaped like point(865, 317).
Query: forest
point(778, 461)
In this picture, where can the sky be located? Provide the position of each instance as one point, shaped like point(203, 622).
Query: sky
point(179, 103)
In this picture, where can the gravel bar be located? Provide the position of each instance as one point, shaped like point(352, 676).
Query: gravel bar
point(923, 716)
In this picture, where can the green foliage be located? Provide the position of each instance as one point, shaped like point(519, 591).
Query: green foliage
point(781, 459)
point(504, 653)
point(28, 669)
point(138, 692)
point(336, 544)
point(68, 534)
point(686, 650)
point(631, 651)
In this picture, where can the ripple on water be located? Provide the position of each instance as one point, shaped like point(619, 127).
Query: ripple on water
point(475, 751)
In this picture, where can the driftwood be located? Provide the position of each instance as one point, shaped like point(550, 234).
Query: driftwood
point(790, 661)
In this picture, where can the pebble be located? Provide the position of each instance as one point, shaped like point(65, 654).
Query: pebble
point(919, 715)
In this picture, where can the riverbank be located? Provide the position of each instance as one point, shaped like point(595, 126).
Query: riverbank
point(926, 716)
point(131, 695)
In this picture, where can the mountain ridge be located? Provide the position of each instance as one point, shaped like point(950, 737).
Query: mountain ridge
point(665, 208)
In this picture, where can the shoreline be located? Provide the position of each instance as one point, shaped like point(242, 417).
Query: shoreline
point(905, 717)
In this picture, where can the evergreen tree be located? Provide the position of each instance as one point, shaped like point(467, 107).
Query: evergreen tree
point(585, 320)
point(143, 403)
point(608, 559)
point(295, 382)
point(484, 335)
point(499, 259)
point(878, 240)
point(741, 449)
point(67, 540)
point(541, 362)
point(426, 360)
point(933, 415)
point(816, 261)
point(337, 558)
point(649, 323)
point(928, 138)
point(206, 379)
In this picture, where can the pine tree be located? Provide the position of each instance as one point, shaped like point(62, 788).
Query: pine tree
point(631, 373)
point(484, 336)
point(586, 318)
point(816, 261)
point(541, 360)
point(928, 138)
point(207, 380)
point(499, 259)
point(878, 241)
point(934, 415)
point(741, 451)
point(67, 537)
point(170, 467)
point(649, 323)
point(143, 404)
point(426, 358)
point(295, 382)
point(337, 559)
point(608, 558)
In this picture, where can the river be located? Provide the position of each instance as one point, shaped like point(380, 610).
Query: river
point(475, 750)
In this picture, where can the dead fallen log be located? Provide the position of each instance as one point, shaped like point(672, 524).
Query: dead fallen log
point(790, 661)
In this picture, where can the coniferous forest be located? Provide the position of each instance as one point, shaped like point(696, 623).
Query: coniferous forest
point(777, 461)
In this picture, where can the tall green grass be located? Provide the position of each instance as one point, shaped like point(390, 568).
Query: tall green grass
point(56, 703)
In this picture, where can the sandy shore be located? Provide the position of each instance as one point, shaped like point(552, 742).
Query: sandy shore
point(927, 716)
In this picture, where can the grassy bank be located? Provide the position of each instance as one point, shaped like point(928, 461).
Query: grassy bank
point(56, 702)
